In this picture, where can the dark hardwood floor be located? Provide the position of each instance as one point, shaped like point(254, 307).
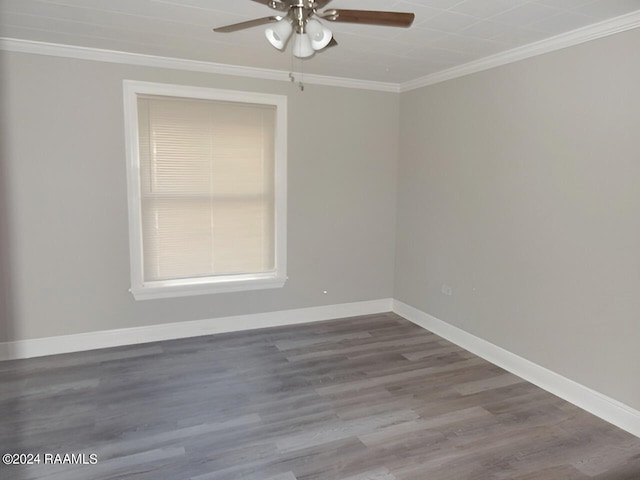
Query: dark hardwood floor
point(365, 398)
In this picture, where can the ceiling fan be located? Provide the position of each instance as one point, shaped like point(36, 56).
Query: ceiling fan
point(300, 16)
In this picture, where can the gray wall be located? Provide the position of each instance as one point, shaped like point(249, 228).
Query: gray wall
point(519, 187)
point(65, 253)
point(6, 299)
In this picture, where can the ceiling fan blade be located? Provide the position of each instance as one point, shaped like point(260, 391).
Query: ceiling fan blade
point(248, 24)
point(275, 4)
point(369, 17)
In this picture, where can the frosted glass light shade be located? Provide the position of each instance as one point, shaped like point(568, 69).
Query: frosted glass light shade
point(302, 47)
point(320, 35)
point(279, 33)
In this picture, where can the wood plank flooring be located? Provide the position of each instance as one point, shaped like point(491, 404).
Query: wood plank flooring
point(365, 398)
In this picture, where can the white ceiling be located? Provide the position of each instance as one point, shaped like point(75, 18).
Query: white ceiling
point(445, 34)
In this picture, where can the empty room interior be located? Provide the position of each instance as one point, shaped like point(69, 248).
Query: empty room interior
point(320, 239)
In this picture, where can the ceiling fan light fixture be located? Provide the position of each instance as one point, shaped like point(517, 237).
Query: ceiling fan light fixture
point(302, 47)
point(279, 33)
point(302, 19)
point(320, 35)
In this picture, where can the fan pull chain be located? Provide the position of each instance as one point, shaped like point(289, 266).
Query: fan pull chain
point(292, 77)
point(300, 83)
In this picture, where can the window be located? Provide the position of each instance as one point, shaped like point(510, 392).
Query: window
point(207, 189)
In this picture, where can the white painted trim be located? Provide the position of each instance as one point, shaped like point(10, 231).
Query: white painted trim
point(39, 347)
point(569, 39)
point(112, 56)
point(600, 405)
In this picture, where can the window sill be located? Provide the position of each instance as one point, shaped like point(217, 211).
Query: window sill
point(192, 287)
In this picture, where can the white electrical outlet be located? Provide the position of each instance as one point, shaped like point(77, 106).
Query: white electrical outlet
point(447, 290)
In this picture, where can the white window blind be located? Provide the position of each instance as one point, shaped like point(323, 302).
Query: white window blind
point(207, 200)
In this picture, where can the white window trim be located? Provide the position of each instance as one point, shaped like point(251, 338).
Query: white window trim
point(216, 284)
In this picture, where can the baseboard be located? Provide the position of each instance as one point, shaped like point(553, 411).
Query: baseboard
point(39, 347)
point(593, 402)
point(596, 403)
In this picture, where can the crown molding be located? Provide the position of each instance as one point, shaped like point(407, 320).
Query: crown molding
point(112, 56)
point(569, 39)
